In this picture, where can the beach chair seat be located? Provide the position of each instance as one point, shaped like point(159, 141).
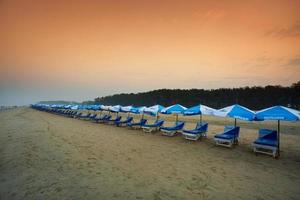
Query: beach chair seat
point(266, 143)
point(194, 134)
point(124, 122)
point(172, 130)
point(137, 125)
point(102, 119)
point(85, 116)
point(148, 128)
point(229, 137)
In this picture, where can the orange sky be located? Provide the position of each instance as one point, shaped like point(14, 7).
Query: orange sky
point(83, 49)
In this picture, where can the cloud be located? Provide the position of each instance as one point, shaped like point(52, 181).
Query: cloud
point(284, 32)
point(293, 62)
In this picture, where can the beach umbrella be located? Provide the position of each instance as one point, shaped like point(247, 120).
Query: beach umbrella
point(237, 112)
point(96, 107)
point(126, 109)
point(138, 110)
point(174, 109)
point(115, 109)
point(103, 107)
point(199, 110)
point(279, 113)
point(153, 110)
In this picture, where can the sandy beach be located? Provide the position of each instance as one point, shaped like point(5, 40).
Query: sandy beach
point(46, 156)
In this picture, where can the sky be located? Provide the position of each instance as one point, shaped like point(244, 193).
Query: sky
point(82, 49)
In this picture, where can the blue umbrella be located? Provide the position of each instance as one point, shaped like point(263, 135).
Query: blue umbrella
point(237, 112)
point(126, 109)
point(278, 113)
point(153, 110)
point(138, 110)
point(199, 110)
point(174, 109)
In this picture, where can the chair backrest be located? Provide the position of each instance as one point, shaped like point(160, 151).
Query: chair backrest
point(106, 117)
point(228, 127)
point(202, 126)
point(159, 122)
point(233, 131)
point(118, 118)
point(267, 134)
point(129, 118)
point(143, 121)
point(179, 124)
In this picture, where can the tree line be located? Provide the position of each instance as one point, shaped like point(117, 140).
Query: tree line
point(252, 97)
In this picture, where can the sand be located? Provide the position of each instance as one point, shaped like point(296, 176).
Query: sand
point(45, 156)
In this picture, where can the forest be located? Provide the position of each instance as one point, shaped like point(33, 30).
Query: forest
point(252, 97)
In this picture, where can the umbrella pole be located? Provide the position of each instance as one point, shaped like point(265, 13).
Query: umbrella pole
point(143, 116)
point(176, 117)
point(200, 118)
point(234, 122)
point(157, 116)
point(278, 138)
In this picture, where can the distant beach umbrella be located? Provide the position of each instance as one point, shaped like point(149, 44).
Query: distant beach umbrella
point(138, 110)
point(237, 112)
point(115, 109)
point(278, 113)
point(154, 110)
point(106, 108)
point(74, 107)
point(174, 109)
point(199, 110)
point(126, 109)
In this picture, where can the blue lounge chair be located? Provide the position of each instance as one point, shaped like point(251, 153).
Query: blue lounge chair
point(77, 115)
point(85, 116)
point(194, 134)
point(170, 131)
point(112, 121)
point(103, 118)
point(123, 122)
point(229, 137)
point(148, 128)
point(137, 125)
point(267, 142)
point(92, 116)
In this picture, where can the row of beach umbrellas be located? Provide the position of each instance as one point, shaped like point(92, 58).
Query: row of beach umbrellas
point(279, 113)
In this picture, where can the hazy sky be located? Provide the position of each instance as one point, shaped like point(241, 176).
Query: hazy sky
point(78, 50)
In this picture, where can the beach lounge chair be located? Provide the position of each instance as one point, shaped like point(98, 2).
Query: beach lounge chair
point(171, 130)
point(148, 128)
point(266, 143)
point(229, 137)
point(102, 119)
point(112, 121)
point(194, 134)
point(92, 116)
point(73, 113)
point(124, 122)
point(137, 125)
point(77, 115)
point(85, 116)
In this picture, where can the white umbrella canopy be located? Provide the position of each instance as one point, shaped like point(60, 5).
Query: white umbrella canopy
point(199, 110)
